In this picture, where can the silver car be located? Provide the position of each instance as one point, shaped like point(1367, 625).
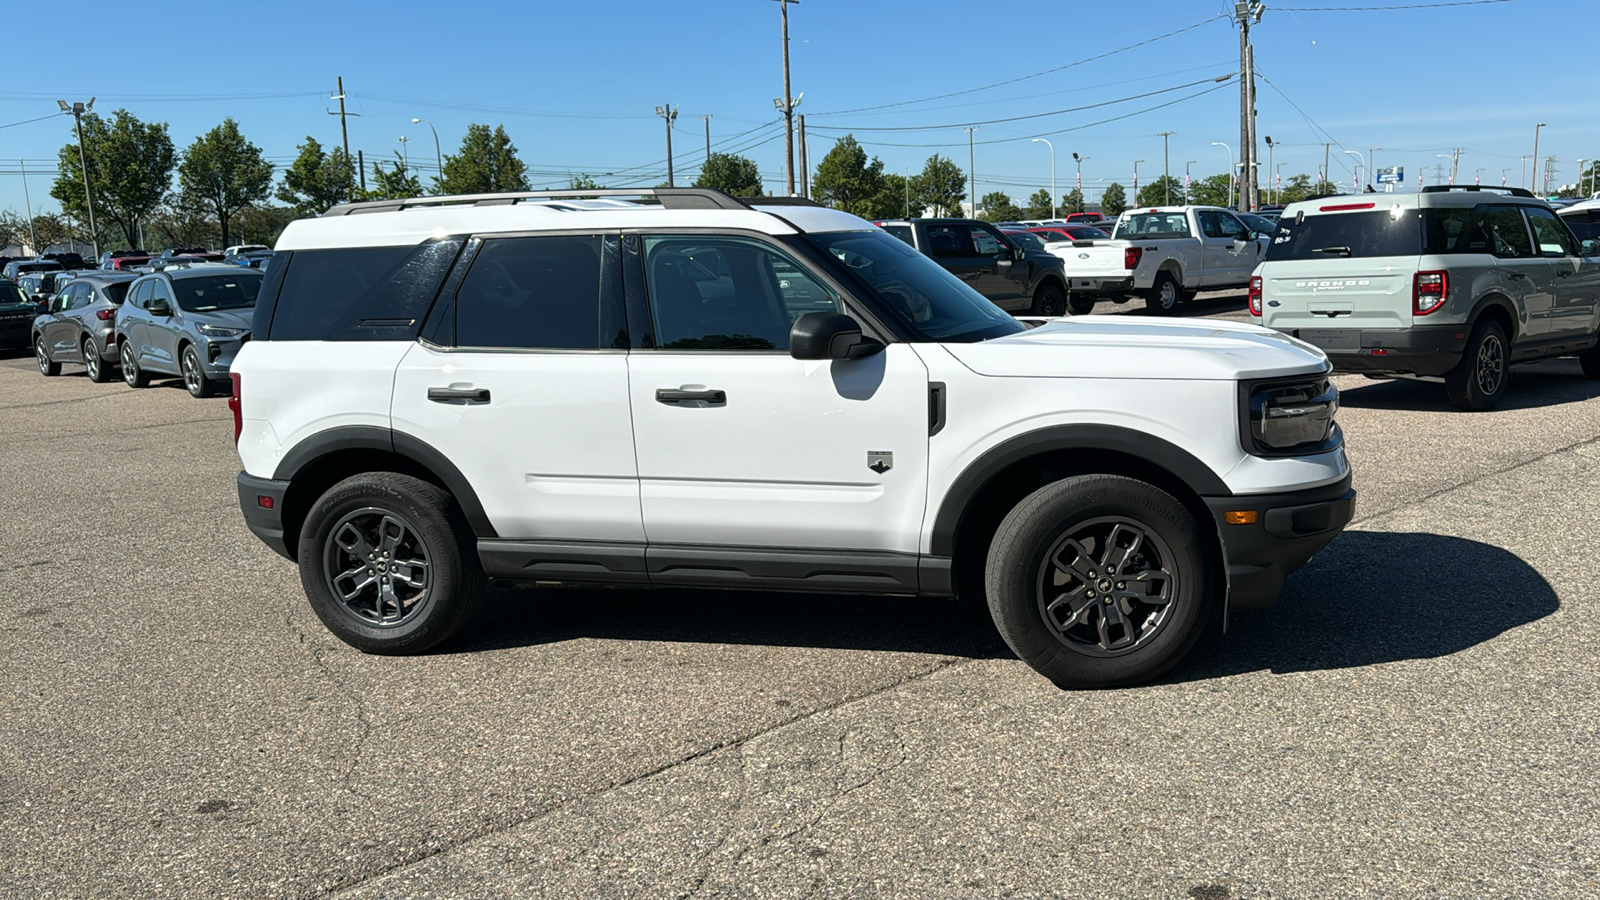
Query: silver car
point(187, 322)
point(79, 328)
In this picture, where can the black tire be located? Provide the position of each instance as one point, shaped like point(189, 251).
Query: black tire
point(1479, 381)
point(132, 375)
point(47, 367)
point(1096, 519)
point(1590, 361)
point(1080, 304)
point(194, 375)
point(1163, 296)
point(367, 515)
point(1049, 301)
point(93, 364)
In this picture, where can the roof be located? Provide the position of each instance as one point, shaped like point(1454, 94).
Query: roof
point(391, 223)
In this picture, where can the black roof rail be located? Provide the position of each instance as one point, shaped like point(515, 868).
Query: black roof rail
point(781, 201)
point(1446, 188)
point(670, 198)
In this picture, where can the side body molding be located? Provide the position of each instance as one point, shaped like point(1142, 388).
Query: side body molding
point(1196, 474)
point(385, 440)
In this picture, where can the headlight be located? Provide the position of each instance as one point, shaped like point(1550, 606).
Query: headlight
point(1293, 417)
point(219, 331)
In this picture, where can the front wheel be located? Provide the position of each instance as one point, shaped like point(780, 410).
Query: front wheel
point(1478, 382)
point(389, 563)
point(1048, 301)
point(41, 355)
point(132, 375)
point(1080, 304)
point(1099, 580)
point(93, 364)
point(1162, 298)
point(194, 377)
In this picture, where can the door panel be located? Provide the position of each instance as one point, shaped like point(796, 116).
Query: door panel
point(1572, 286)
point(1225, 263)
point(159, 350)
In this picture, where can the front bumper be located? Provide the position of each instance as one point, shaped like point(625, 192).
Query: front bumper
point(1288, 530)
point(265, 522)
point(1419, 350)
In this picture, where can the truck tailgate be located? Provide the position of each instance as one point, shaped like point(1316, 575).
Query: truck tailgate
point(1094, 259)
point(1337, 293)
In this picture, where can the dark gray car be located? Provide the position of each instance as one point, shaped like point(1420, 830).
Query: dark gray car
point(80, 326)
point(187, 322)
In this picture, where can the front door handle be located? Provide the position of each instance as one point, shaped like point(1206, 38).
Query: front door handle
point(1517, 274)
point(1563, 273)
point(673, 395)
point(448, 395)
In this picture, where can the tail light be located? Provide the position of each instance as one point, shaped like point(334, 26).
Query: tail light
point(1255, 295)
point(1428, 290)
point(1131, 257)
point(235, 408)
point(106, 315)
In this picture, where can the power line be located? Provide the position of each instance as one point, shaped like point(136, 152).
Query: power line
point(53, 115)
point(1389, 8)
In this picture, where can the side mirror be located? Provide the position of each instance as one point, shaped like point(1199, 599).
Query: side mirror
point(827, 335)
point(1019, 253)
point(158, 308)
point(1590, 247)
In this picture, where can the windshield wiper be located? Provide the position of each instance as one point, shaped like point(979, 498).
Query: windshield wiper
point(1342, 251)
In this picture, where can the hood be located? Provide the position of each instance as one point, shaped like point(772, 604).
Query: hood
point(1115, 347)
point(227, 318)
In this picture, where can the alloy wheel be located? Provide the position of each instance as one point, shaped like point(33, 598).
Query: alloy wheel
point(377, 566)
point(1491, 365)
point(130, 366)
point(1106, 586)
point(191, 371)
point(91, 361)
point(41, 356)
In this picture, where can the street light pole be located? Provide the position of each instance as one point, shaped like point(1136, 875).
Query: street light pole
point(1135, 198)
point(77, 110)
point(1578, 187)
point(33, 239)
point(1271, 154)
point(972, 170)
point(1536, 148)
point(1052, 147)
point(1230, 168)
point(1166, 166)
point(1359, 166)
point(1079, 160)
point(1187, 192)
point(438, 158)
point(1372, 164)
point(405, 152)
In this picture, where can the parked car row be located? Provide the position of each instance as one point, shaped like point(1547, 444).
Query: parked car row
point(185, 320)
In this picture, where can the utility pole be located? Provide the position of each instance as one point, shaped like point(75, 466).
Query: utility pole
point(77, 110)
point(1327, 160)
point(1271, 155)
point(1166, 166)
point(1187, 191)
point(1455, 162)
point(344, 132)
point(805, 160)
point(1079, 160)
point(1536, 145)
point(33, 239)
point(707, 119)
point(1246, 13)
point(1134, 200)
point(972, 171)
point(669, 114)
point(787, 105)
point(361, 166)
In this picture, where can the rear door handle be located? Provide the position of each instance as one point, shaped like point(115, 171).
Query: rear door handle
point(673, 395)
point(448, 395)
point(1563, 273)
point(1517, 274)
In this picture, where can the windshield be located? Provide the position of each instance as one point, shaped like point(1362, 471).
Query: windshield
point(10, 293)
point(216, 292)
point(927, 300)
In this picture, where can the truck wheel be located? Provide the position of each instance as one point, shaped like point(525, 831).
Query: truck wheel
point(1098, 580)
point(1479, 381)
point(1080, 304)
point(1047, 301)
point(1162, 298)
point(1590, 361)
point(389, 563)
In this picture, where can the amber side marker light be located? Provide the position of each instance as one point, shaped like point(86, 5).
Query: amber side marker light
point(1240, 517)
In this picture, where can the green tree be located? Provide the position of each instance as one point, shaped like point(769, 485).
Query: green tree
point(582, 182)
point(262, 224)
point(895, 198)
point(130, 171)
point(1113, 201)
point(1156, 192)
point(317, 181)
point(49, 228)
point(13, 229)
point(223, 173)
point(1213, 190)
point(940, 187)
point(486, 164)
point(1072, 200)
point(1039, 205)
point(182, 221)
point(998, 207)
point(846, 180)
point(396, 183)
point(731, 174)
point(1297, 188)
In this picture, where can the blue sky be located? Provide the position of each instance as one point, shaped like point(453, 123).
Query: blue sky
point(576, 84)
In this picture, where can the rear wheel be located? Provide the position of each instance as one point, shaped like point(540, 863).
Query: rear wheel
point(1080, 304)
point(1162, 298)
point(1478, 382)
point(93, 364)
point(389, 563)
point(132, 375)
point(47, 368)
point(1098, 580)
point(1048, 301)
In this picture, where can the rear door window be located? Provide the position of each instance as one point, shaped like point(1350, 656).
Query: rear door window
point(903, 232)
point(532, 293)
point(1358, 235)
point(1508, 233)
point(949, 241)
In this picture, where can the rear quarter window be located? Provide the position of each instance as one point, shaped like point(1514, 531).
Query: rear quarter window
point(903, 232)
point(1357, 235)
point(359, 293)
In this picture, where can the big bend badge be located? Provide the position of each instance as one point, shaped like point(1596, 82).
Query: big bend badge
point(880, 461)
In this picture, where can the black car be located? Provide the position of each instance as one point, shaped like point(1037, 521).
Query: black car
point(20, 267)
point(17, 312)
point(70, 261)
point(1012, 277)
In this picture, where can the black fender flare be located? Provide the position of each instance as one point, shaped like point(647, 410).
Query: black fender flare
point(1113, 438)
point(387, 440)
point(1501, 302)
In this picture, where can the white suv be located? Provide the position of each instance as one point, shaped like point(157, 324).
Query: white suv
point(693, 391)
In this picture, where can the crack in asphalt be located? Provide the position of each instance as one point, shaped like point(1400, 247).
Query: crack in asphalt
point(320, 662)
point(738, 743)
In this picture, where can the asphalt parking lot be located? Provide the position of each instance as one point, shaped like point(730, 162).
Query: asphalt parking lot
point(1416, 718)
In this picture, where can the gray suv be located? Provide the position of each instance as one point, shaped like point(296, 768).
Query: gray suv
point(1455, 282)
point(79, 328)
point(187, 322)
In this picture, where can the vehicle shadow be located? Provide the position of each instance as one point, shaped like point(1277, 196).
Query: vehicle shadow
point(1376, 597)
point(1533, 385)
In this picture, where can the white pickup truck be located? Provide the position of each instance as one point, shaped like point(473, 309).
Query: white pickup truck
point(1163, 254)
